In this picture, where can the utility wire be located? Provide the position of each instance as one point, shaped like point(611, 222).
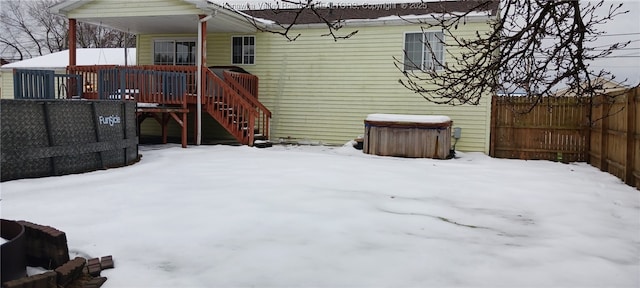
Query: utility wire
point(619, 34)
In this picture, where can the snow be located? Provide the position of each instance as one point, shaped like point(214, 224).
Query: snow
point(408, 118)
point(424, 16)
point(84, 56)
point(317, 216)
point(37, 270)
point(148, 105)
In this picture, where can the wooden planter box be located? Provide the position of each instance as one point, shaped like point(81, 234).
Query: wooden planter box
point(412, 136)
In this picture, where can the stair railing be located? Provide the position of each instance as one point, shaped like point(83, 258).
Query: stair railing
point(263, 116)
point(227, 107)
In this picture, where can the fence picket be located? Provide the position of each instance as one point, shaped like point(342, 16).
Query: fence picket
point(602, 132)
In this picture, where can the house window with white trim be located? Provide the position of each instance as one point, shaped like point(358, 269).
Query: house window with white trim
point(424, 51)
point(243, 49)
point(172, 52)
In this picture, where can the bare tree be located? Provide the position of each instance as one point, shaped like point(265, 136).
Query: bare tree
point(29, 29)
point(94, 36)
point(16, 31)
point(534, 46)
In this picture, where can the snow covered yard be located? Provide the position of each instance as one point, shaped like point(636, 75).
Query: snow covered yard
point(222, 216)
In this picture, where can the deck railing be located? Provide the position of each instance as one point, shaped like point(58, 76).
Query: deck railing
point(247, 81)
point(45, 84)
point(189, 71)
point(147, 86)
point(90, 75)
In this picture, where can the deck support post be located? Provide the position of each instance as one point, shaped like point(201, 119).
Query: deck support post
point(184, 129)
point(163, 116)
point(202, 54)
point(165, 121)
point(72, 42)
point(72, 60)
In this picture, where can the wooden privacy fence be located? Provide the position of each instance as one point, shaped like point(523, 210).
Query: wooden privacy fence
point(615, 136)
point(556, 129)
point(604, 132)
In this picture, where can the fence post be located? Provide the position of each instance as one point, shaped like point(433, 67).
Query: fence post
point(53, 170)
point(17, 79)
point(50, 85)
point(604, 135)
point(587, 130)
point(492, 131)
point(123, 83)
point(79, 85)
point(631, 137)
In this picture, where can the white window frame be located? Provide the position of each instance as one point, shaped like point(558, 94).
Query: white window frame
point(425, 52)
point(243, 52)
point(174, 40)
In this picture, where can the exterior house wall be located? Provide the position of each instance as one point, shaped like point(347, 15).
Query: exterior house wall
point(7, 85)
point(322, 90)
point(122, 8)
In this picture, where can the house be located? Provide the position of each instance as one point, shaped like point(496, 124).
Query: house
point(58, 62)
point(606, 86)
point(312, 89)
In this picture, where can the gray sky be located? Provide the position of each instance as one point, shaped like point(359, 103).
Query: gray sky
point(625, 63)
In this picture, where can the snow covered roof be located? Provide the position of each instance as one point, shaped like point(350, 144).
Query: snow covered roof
point(382, 11)
point(606, 85)
point(84, 56)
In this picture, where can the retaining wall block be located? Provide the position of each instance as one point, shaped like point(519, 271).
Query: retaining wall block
point(46, 246)
point(95, 282)
point(93, 266)
point(106, 262)
point(44, 280)
point(70, 271)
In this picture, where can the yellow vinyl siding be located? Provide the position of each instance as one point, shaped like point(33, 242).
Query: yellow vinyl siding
point(322, 90)
point(7, 85)
point(122, 8)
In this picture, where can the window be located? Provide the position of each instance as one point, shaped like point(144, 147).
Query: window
point(243, 49)
point(170, 52)
point(424, 51)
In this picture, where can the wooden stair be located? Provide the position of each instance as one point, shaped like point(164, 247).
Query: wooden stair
point(236, 109)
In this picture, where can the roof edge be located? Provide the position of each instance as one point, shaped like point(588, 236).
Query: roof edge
point(381, 22)
point(64, 7)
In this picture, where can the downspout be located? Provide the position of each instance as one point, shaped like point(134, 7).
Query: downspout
point(201, 22)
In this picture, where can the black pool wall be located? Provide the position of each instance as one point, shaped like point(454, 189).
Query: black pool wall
point(57, 137)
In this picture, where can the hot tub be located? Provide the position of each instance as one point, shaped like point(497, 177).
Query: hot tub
point(412, 136)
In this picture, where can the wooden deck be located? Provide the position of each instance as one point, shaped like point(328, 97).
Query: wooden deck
point(229, 96)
